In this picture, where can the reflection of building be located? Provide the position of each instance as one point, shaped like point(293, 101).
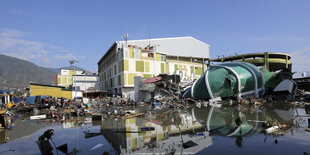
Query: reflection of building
point(126, 136)
point(21, 129)
point(147, 58)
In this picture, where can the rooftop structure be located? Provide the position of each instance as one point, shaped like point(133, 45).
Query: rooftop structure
point(271, 60)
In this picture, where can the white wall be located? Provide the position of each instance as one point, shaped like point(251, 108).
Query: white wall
point(64, 72)
point(78, 94)
point(85, 82)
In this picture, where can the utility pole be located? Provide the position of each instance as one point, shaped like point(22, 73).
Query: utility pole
point(73, 78)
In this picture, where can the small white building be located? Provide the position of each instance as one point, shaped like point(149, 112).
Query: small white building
point(83, 82)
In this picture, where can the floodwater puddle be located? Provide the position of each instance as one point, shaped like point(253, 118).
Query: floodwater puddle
point(204, 130)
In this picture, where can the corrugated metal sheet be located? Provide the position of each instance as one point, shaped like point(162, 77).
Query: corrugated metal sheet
point(154, 79)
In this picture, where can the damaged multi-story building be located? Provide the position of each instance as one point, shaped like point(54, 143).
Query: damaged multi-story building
point(147, 58)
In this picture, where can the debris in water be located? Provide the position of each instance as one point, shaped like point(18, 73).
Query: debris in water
point(38, 117)
point(63, 148)
point(189, 144)
point(272, 129)
point(97, 146)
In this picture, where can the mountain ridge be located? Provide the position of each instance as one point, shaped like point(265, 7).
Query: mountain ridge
point(17, 73)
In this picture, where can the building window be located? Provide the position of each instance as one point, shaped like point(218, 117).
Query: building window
point(131, 53)
point(176, 67)
point(119, 80)
point(137, 53)
point(150, 55)
point(114, 69)
point(111, 82)
point(163, 57)
point(162, 67)
point(147, 66)
point(131, 77)
point(147, 75)
point(125, 52)
point(172, 58)
point(139, 66)
point(198, 70)
point(126, 67)
point(158, 57)
point(120, 54)
point(120, 66)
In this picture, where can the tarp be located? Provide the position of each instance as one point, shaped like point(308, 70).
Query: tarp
point(17, 99)
point(3, 92)
point(30, 99)
point(35, 99)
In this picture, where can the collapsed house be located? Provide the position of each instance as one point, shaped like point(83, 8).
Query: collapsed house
point(158, 88)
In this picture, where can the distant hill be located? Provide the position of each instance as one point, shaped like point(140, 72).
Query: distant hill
point(17, 73)
point(55, 70)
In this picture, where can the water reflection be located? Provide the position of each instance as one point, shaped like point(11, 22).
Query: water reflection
point(223, 121)
point(195, 124)
point(188, 131)
point(127, 136)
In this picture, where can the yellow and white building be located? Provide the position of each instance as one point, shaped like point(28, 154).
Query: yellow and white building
point(65, 79)
point(148, 58)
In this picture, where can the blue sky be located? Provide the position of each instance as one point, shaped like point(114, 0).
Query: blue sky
point(49, 33)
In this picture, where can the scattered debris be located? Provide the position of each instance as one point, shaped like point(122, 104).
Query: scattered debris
point(3, 119)
point(286, 90)
point(215, 102)
point(96, 117)
point(38, 117)
point(189, 144)
point(97, 146)
point(272, 129)
point(63, 148)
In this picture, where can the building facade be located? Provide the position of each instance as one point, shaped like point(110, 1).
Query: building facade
point(65, 79)
point(147, 58)
point(83, 82)
point(54, 91)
